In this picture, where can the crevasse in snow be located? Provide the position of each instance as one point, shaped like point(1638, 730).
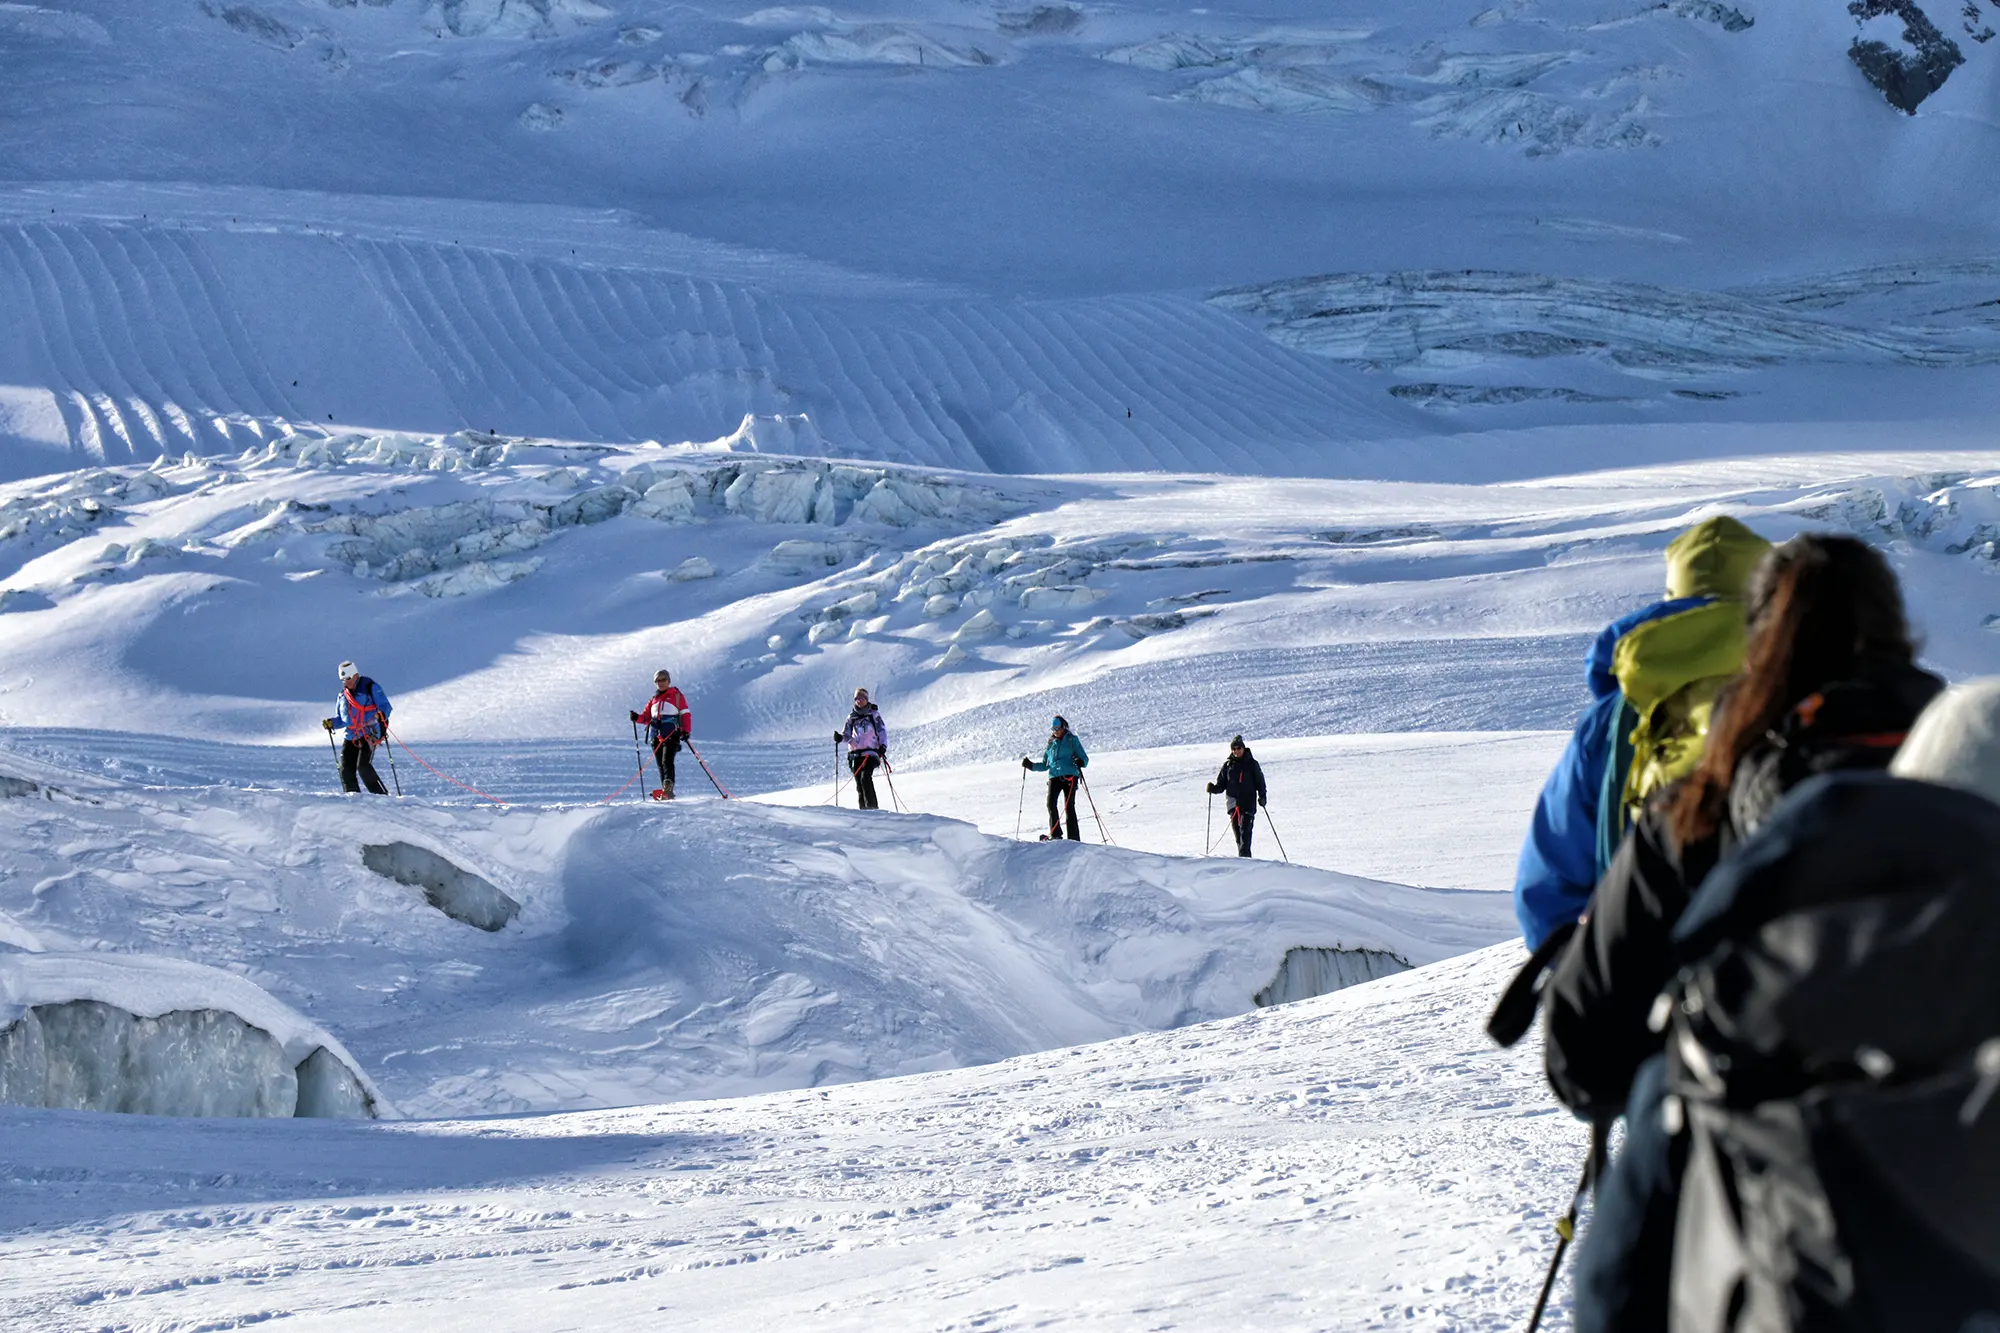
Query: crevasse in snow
point(152, 1035)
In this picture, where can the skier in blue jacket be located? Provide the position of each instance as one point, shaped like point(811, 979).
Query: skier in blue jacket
point(362, 712)
point(1580, 818)
point(1063, 760)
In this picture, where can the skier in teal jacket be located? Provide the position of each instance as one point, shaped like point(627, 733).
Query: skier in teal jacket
point(1063, 760)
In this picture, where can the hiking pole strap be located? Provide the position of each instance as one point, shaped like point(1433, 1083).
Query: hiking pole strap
point(1515, 1012)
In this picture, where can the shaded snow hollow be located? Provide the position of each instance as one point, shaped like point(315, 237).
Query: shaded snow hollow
point(457, 892)
point(160, 1036)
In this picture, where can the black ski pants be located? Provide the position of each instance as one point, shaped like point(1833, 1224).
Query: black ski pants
point(1243, 818)
point(1063, 789)
point(862, 765)
point(357, 765)
point(664, 750)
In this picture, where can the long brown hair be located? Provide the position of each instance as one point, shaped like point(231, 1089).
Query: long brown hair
point(1818, 606)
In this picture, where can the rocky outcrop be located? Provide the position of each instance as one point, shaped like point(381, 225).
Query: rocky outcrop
point(1911, 72)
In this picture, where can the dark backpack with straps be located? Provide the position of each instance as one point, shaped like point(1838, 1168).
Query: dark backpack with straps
point(1833, 1042)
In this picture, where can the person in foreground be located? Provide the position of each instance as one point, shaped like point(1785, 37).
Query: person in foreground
point(668, 723)
point(362, 713)
point(1652, 676)
point(1829, 684)
point(1063, 760)
point(1241, 777)
point(866, 736)
point(1819, 1145)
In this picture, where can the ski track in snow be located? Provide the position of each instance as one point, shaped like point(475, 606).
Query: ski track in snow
point(1364, 1160)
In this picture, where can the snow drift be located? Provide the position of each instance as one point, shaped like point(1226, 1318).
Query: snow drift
point(656, 953)
point(162, 1036)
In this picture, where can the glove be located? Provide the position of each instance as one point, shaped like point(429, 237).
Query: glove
point(836, 738)
point(1027, 762)
point(885, 756)
point(328, 723)
point(1213, 789)
point(1261, 802)
point(634, 717)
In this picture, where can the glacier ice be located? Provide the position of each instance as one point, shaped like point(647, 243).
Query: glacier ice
point(457, 892)
point(158, 1036)
point(1306, 972)
point(89, 1056)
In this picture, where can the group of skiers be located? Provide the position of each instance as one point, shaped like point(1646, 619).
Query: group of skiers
point(1762, 888)
point(362, 712)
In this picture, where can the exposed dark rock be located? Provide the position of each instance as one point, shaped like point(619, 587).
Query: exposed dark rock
point(1907, 76)
point(1491, 395)
point(1727, 17)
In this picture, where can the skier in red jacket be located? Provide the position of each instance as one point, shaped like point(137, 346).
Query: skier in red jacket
point(668, 723)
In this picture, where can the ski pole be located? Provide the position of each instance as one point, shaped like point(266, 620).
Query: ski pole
point(706, 769)
point(889, 776)
point(836, 772)
point(1019, 806)
point(393, 775)
point(336, 758)
point(1274, 833)
point(639, 761)
point(1208, 828)
point(1600, 1131)
point(1102, 831)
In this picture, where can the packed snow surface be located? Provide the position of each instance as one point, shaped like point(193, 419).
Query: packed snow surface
point(1363, 1160)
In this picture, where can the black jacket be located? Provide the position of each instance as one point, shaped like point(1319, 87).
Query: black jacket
point(1242, 779)
point(1603, 985)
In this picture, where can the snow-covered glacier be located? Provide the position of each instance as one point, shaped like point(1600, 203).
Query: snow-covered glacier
point(157, 1035)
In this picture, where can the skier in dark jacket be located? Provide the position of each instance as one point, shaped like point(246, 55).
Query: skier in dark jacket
point(1875, 895)
point(668, 723)
point(1063, 760)
point(866, 736)
point(1241, 778)
point(1828, 684)
point(362, 713)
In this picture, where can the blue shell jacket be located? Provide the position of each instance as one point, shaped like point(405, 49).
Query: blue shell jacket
point(1559, 862)
point(1063, 757)
point(371, 698)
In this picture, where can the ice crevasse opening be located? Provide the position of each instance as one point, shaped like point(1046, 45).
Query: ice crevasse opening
point(159, 1036)
point(1307, 971)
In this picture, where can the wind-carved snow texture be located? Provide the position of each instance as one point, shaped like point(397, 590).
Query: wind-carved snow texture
point(1306, 972)
point(1467, 319)
point(453, 890)
point(159, 340)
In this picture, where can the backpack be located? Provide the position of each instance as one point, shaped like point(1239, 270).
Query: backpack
point(1670, 671)
point(1833, 1063)
point(865, 733)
